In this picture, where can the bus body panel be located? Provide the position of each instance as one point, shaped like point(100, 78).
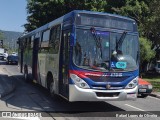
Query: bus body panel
point(42, 68)
point(78, 94)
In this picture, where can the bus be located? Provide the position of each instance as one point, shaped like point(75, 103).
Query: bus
point(83, 56)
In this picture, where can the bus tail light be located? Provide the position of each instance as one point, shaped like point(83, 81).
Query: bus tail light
point(132, 84)
point(79, 82)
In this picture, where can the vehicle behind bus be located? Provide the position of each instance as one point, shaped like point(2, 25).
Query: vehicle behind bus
point(84, 56)
point(2, 53)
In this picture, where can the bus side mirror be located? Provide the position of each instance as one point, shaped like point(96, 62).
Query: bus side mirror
point(72, 39)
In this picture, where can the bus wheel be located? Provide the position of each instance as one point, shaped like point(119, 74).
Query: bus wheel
point(50, 84)
point(26, 74)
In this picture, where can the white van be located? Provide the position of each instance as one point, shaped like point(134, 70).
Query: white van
point(1, 54)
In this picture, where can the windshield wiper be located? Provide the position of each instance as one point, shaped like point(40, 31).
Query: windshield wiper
point(137, 58)
point(97, 39)
point(120, 41)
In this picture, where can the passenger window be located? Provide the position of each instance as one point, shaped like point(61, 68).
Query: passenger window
point(45, 38)
point(55, 39)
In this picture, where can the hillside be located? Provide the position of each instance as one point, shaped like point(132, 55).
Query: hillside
point(10, 38)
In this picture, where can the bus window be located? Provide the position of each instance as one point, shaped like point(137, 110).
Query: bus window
point(29, 42)
point(54, 39)
point(32, 39)
point(45, 38)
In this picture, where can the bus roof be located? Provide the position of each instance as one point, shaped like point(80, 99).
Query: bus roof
point(71, 14)
point(103, 13)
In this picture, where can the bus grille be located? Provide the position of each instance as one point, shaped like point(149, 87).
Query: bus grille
point(107, 79)
point(102, 94)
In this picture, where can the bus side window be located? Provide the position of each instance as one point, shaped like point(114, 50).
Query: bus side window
point(25, 43)
point(44, 45)
point(32, 39)
point(55, 39)
point(21, 44)
point(29, 43)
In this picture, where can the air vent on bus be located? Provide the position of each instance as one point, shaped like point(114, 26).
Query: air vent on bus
point(102, 94)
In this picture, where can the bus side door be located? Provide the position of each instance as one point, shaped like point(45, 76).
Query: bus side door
point(64, 64)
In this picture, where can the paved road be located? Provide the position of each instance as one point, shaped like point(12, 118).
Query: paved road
point(32, 97)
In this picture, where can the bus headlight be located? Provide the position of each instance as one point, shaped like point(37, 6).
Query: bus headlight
point(79, 82)
point(132, 84)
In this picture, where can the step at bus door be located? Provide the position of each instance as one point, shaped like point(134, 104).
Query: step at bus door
point(64, 65)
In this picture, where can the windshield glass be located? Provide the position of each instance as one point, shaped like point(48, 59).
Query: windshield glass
point(97, 50)
point(125, 56)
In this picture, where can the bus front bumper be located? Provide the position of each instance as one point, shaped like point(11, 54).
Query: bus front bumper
point(79, 94)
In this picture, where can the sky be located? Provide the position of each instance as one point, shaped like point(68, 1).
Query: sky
point(13, 15)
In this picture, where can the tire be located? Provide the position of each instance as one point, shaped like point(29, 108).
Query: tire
point(144, 95)
point(50, 86)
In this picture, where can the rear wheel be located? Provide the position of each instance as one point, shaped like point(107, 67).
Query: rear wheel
point(50, 84)
point(26, 74)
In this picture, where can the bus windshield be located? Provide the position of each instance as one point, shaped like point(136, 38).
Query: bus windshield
point(105, 51)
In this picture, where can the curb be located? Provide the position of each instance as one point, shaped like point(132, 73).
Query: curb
point(154, 95)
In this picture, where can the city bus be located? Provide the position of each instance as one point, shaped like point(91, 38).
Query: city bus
point(83, 56)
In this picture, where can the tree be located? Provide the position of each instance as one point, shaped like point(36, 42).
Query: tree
point(94, 5)
point(146, 53)
point(41, 12)
point(1, 39)
point(1, 36)
point(152, 30)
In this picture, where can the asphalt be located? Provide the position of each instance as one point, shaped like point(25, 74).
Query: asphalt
point(7, 84)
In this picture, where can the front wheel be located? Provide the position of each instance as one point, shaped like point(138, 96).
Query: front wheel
point(50, 86)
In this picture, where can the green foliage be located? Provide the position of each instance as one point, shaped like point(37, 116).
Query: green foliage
point(152, 27)
point(1, 36)
point(146, 53)
point(94, 5)
point(41, 12)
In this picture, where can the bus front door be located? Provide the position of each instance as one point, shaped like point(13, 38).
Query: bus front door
point(64, 65)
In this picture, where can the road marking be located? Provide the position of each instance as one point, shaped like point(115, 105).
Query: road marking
point(26, 118)
point(134, 107)
point(140, 109)
point(154, 97)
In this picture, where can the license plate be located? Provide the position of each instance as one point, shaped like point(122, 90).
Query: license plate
point(142, 90)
